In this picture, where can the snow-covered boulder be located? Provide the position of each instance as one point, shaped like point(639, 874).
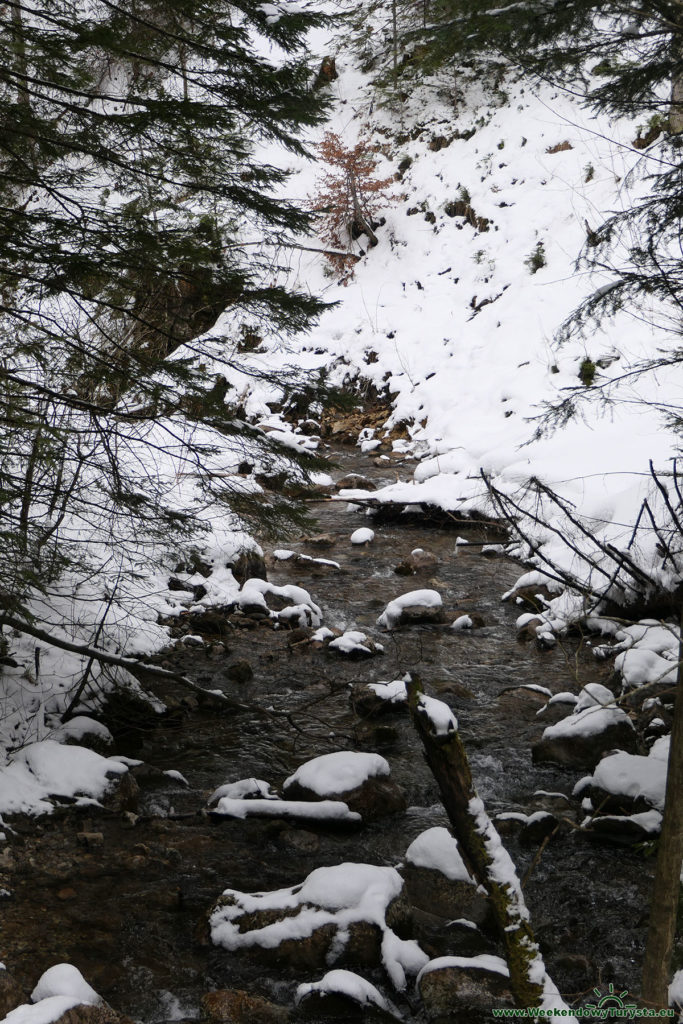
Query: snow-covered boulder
point(346, 913)
point(595, 726)
point(437, 880)
point(629, 783)
point(363, 535)
point(416, 606)
point(354, 644)
point(361, 780)
point(289, 604)
point(343, 994)
point(63, 996)
point(368, 699)
point(457, 988)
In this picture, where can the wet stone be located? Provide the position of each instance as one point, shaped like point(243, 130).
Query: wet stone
point(459, 993)
point(234, 1006)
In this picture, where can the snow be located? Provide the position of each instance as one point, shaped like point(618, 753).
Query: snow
point(442, 721)
point(590, 716)
point(462, 622)
point(299, 810)
point(482, 962)
point(394, 692)
point(676, 990)
point(58, 990)
point(339, 896)
point(243, 789)
point(65, 980)
point(635, 776)
point(348, 984)
point(363, 535)
point(438, 849)
point(339, 772)
point(302, 607)
point(414, 598)
point(350, 641)
point(49, 769)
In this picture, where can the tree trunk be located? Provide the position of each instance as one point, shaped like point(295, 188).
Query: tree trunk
point(482, 852)
point(666, 890)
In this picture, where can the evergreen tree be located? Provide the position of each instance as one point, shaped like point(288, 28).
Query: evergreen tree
point(134, 210)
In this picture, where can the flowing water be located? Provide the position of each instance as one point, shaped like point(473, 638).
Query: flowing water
point(128, 905)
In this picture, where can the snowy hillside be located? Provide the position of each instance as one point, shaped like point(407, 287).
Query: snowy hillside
point(457, 322)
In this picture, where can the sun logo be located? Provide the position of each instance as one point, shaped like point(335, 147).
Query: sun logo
point(611, 1004)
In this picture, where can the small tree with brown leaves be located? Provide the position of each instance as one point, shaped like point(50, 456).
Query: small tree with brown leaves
point(349, 197)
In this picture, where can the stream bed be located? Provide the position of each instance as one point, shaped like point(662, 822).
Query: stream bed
point(124, 897)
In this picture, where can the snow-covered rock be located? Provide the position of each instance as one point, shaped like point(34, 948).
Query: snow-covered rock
point(347, 912)
point(462, 988)
point(363, 535)
point(595, 726)
point(342, 994)
point(361, 780)
point(414, 607)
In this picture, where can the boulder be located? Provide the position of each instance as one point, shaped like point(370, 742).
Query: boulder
point(430, 891)
point(249, 565)
point(464, 988)
point(84, 1013)
point(360, 780)
point(418, 560)
point(11, 994)
point(580, 740)
point(343, 995)
point(413, 608)
point(233, 1006)
point(350, 913)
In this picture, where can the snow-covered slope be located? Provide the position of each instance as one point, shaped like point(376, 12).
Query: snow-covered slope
point(458, 323)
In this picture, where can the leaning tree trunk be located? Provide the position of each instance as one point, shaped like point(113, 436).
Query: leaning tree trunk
point(482, 851)
point(667, 882)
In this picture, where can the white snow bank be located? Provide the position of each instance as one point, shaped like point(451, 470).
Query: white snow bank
point(413, 599)
point(339, 772)
point(437, 849)
point(48, 769)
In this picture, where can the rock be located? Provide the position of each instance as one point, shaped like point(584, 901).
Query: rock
point(367, 702)
point(327, 73)
point(321, 540)
point(351, 913)
point(534, 597)
point(442, 936)
point(125, 797)
point(538, 827)
point(415, 607)
point(417, 561)
point(565, 743)
point(249, 565)
point(240, 671)
point(355, 482)
point(373, 797)
point(476, 620)
point(626, 830)
point(432, 892)
point(86, 1014)
point(573, 972)
point(91, 839)
point(464, 988)
point(11, 994)
point(233, 1006)
point(528, 629)
point(343, 995)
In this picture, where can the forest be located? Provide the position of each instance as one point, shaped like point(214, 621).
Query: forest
point(341, 381)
